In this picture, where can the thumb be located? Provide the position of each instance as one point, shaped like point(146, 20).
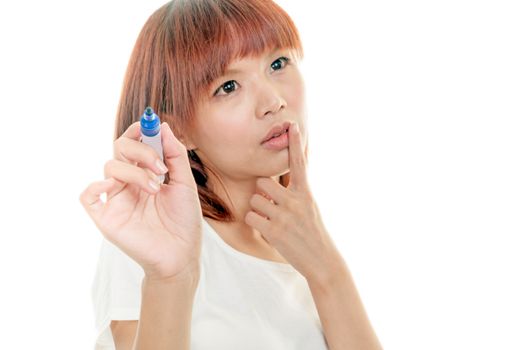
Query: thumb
point(175, 158)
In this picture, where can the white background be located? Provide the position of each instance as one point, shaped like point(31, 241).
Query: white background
point(416, 115)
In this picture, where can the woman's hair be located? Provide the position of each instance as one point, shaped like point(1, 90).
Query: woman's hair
point(183, 47)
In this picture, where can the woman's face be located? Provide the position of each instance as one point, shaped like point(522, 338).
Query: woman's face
point(255, 94)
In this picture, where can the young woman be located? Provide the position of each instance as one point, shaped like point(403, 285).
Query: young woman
point(230, 252)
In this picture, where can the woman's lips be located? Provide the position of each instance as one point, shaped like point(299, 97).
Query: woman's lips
point(276, 129)
point(277, 143)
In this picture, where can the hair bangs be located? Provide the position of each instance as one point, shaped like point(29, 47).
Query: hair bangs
point(238, 29)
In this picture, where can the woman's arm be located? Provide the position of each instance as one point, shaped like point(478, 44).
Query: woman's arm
point(343, 317)
point(165, 313)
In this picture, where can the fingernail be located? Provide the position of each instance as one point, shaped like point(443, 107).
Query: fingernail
point(154, 185)
point(161, 166)
point(295, 127)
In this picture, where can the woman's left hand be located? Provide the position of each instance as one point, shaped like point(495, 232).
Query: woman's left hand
point(289, 219)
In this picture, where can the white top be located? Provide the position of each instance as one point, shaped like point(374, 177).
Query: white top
point(241, 301)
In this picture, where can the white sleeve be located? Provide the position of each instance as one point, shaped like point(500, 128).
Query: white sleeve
point(116, 291)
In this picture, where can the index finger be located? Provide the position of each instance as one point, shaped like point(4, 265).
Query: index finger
point(296, 158)
point(133, 131)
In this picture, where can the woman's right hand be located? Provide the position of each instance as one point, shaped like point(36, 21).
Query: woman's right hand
point(159, 229)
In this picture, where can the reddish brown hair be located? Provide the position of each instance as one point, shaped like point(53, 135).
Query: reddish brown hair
point(183, 47)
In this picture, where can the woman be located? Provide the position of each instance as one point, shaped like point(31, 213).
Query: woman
point(230, 252)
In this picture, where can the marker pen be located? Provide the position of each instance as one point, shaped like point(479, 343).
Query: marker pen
point(150, 130)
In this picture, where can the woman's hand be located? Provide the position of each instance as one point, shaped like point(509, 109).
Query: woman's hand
point(160, 229)
point(289, 219)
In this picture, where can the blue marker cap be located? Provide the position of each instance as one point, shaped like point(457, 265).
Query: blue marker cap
point(149, 123)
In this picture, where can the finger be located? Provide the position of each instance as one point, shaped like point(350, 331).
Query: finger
point(90, 197)
point(257, 222)
point(296, 158)
point(264, 206)
point(273, 189)
point(133, 131)
point(131, 174)
point(176, 158)
point(138, 153)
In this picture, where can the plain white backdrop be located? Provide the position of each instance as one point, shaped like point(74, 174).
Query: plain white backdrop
point(416, 113)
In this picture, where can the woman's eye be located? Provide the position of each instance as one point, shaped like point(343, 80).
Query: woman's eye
point(227, 87)
point(230, 86)
point(280, 63)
